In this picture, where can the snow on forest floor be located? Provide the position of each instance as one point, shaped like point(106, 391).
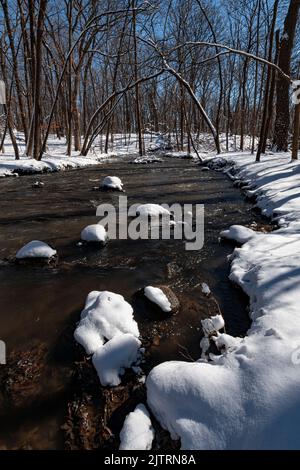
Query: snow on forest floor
point(55, 159)
point(249, 397)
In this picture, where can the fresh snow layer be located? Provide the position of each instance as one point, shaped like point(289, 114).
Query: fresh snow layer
point(112, 182)
point(152, 210)
point(249, 397)
point(157, 296)
point(105, 315)
point(225, 342)
point(36, 249)
point(238, 233)
point(137, 432)
point(117, 354)
point(94, 233)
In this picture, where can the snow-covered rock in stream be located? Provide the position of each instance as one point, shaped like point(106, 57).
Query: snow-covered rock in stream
point(238, 233)
point(117, 354)
point(163, 297)
point(151, 210)
point(94, 233)
point(156, 295)
point(113, 183)
point(137, 432)
point(105, 315)
point(146, 160)
point(36, 249)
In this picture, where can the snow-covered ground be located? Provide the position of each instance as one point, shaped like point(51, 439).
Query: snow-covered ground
point(249, 397)
point(55, 159)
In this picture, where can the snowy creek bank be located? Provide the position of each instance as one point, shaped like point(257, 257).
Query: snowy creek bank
point(41, 305)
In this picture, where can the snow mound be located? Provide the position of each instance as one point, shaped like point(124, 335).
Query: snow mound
point(137, 432)
point(156, 295)
point(117, 354)
point(94, 233)
point(249, 397)
point(36, 249)
point(238, 233)
point(151, 210)
point(112, 182)
point(105, 315)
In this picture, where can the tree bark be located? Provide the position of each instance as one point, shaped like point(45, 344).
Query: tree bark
point(282, 121)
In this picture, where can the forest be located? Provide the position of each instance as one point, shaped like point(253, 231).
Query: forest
point(85, 69)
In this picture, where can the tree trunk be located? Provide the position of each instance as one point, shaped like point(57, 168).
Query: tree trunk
point(282, 121)
point(295, 146)
point(38, 75)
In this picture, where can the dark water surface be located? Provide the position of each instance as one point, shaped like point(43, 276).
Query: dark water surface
point(38, 303)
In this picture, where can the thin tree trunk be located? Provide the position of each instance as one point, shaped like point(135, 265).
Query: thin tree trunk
point(282, 121)
point(295, 145)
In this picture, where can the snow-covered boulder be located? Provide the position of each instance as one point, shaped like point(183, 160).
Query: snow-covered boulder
point(112, 183)
point(94, 233)
point(163, 298)
point(238, 233)
point(104, 316)
point(151, 210)
point(137, 432)
point(36, 249)
point(117, 354)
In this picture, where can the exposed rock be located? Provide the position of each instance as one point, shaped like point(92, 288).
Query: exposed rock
point(155, 309)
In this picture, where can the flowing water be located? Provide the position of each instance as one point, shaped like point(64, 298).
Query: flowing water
point(38, 304)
